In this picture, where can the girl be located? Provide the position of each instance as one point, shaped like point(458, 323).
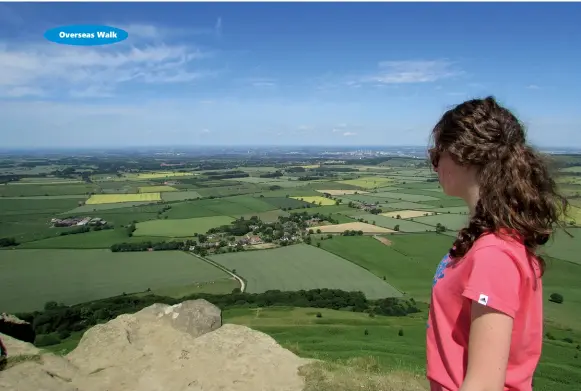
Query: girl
point(486, 315)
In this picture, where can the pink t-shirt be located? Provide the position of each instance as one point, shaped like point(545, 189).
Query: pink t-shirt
point(495, 272)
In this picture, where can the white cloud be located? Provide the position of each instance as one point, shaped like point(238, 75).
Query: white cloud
point(347, 134)
point(533, 87)
point(259, 81)
point(28, 69)
point(401, 72)
point(148, 31)
point(306, 127)
point(218, 26)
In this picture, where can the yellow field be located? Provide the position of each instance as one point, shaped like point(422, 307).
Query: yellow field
point(342, 192)
point(156, 189)
point(356, 226)
point(317, 200)
point(114, 198)
point(162, 174)
point(368, 182)
point(311, 166)
point(574, 213)
point(407, 214)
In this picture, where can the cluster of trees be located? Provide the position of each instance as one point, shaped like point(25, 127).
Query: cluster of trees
point(239, 227)
point(57, 321)
point(155, 246)
point(130, 228)
point(275, 174)
point(8, 242)
point(84, 229)
point(227, 174)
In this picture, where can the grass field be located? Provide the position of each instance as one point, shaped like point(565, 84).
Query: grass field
point(373, 350)
point(162, 174)
point(88, 240)
point(317, 200)
point(564, 247)
point(451, 221)
point(302, 267)
point(180, 228)
point(412, 197)
point(408, 264)
point(99, 208)
point(117, 198)
point(391, 223)
point(74, 276)
point(47, 190)
point(368, 182)
point(180, 195)
point(156, 189)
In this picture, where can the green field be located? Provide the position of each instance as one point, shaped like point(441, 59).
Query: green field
point(79, 267)
point(450, 221)
point(180, 228)
point(403, 196)
point(98, 208)
point(156, 189)
point(407, 266)
point(302, 267)
point(372, 347)
point(389, 222)
point(75, 276)
point(180, 195)
point(564, 247)
point(89, 240)
point(46, 190)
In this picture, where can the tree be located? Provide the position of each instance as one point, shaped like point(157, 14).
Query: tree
point(396, 228)
point(556, 298)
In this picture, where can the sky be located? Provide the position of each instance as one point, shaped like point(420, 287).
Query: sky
point(284, 73)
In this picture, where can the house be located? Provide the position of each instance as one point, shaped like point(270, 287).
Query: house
point(255, 239)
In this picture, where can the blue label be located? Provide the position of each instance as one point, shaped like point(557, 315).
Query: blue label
point(440, 270)
point(86, 35)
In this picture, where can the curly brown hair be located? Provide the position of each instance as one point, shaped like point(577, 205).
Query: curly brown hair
point(517, 194)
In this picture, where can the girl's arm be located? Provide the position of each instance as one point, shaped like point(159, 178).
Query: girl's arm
point(488, 349)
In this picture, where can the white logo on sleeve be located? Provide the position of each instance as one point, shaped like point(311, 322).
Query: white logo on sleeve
point(483, 299)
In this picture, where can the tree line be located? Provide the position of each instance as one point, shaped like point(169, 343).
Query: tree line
point(57, 321)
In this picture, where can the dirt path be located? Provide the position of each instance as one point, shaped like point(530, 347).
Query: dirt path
point(238, 278)
point(383, 240)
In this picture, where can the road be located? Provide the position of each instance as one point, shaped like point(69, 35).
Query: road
point(240, 280)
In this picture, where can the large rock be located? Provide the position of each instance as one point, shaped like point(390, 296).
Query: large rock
point(161, 348)
point(16, 347)
point(17, 328)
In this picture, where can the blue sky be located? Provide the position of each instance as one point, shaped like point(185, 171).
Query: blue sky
point(284, 73)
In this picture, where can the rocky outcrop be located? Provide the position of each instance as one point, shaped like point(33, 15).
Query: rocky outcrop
point(17, 328)
point(160, 348)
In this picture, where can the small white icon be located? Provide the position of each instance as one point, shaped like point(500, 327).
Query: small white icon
point(483, 299)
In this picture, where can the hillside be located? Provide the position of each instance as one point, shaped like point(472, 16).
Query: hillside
point(183, 347)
